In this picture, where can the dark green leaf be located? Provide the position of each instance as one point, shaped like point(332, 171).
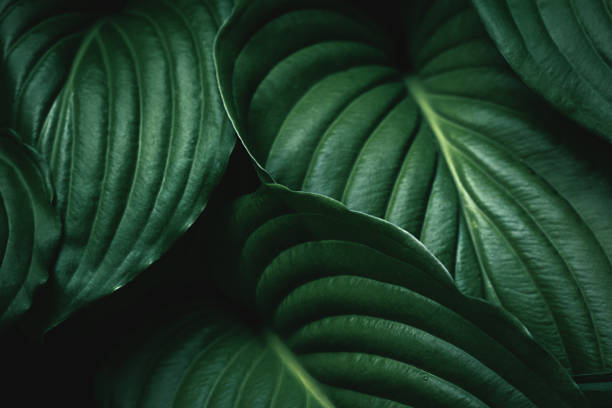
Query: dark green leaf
point(125, 108)
point(375, 317)
point(208, 359)
point(29, 227)
point(363, 306)
point(430, 129)
point(562, 49)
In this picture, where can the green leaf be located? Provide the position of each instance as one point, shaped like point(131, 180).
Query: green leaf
point(427, 127)
point(29, 227)
point(562, 50)
point(207, 358)
point(364, 308)
point(373, 316)
point(125, 109)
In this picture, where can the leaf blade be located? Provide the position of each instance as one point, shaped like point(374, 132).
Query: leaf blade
point(207, 358)
point(30, 229)
point(337, 296)
point(558, 49)
point(134, 132)
point(474, 165)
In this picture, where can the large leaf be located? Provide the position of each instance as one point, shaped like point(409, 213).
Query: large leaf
point(365, 308)
point(560, 48)
point(127, 113)
point(429, 128)
point(207, 358)
point(29, 227)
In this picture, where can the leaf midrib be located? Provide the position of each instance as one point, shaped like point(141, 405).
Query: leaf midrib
point(418, 92)
point(289, 361)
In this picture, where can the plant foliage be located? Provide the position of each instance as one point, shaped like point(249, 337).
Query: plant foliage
point(428, 223)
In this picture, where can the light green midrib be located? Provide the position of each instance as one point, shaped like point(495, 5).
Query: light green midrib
point(417, 91)
point(289, 361)
point(412, 84)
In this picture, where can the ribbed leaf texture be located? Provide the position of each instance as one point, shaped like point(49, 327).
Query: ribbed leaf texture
point(409, 113)
point(364, 308)
point(208, 359)
point(29, 227)
point(560, 48)
point(125, 108)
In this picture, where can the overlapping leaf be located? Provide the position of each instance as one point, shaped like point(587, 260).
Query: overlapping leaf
point(375, 318)
point(455, 150)
point(208, 359)
point(560, 48)
point(367, 311)
point(125, 109)
point(29, 227)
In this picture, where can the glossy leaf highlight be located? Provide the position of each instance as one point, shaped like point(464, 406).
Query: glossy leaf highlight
point(452, 147)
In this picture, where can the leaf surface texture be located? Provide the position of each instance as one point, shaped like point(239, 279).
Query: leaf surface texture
point(208, 359)
point(125, 108)
point(370, 317)
point(561, 49)
point(29, 227)
point(428, 128)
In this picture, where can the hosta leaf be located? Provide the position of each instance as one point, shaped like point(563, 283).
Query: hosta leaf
point(375, 318)
point(208, 359)
point(364, 308)
point(560, 48)
point(127, 113)
point(29, 227)
point(431, 130)
point(38, 41)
